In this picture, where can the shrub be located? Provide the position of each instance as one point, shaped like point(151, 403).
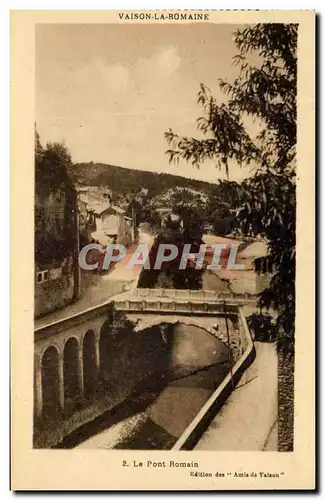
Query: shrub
point(262, 327)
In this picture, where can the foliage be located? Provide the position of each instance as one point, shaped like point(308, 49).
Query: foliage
point(51, 165)
point(264, 93)
point(181, 196)
point(119, 324)
point(141, 209)
point(189, 207)
point(193, 223)
point(222, 226)
point(223, 197)
point(262, 326)
point(185, 225)
point(170, 276)
point(54, 239)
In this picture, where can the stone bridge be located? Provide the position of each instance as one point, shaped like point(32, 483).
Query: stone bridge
point(71, 354)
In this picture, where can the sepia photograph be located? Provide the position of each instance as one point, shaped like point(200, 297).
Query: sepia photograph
point(164, 240)
point(155, 135)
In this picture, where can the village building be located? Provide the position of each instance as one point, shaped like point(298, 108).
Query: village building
point(111, 224)
point(100, 220)
point(93, 194)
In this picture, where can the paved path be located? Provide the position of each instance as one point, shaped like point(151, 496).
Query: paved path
point(120, 270)
point(97, 293)
point(247, 422)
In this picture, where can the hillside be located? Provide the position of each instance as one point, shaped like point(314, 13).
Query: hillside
point(123, 180)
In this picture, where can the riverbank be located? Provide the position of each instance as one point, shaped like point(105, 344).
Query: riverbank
point(164, 416)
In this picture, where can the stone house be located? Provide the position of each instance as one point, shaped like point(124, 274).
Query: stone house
point(112, 225)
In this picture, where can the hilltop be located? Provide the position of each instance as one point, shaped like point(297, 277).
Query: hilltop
point(124, 180)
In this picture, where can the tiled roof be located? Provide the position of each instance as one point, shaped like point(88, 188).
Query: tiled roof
point(99, 208)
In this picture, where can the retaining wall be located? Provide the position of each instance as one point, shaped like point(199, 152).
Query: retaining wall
point(200, 423)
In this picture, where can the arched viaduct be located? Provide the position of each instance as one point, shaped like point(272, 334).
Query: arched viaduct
point(70, 355)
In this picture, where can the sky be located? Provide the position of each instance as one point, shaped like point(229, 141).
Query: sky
point(111, 91)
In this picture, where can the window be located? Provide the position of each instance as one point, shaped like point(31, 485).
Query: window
point(42, 276)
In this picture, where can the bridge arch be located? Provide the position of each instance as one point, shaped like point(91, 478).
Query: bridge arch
point(72, 369)
point(56, 346)
point(89, 363)
point(50, 380)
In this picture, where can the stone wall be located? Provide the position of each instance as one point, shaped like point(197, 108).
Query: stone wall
point(53, 294)
point(204, 417)
point(286, 366)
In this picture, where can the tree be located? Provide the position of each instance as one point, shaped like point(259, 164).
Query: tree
point(53, 241)
point(117, 329)
point(170, 275)
point(193, 223)
point(264, 91)
point(120, 326)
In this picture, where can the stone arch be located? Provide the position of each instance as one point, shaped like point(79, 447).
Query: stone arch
point(193, 345)
point(54, 344)
point(71, 369)
point(89, 363)
point(104, 349)
point(50, 381)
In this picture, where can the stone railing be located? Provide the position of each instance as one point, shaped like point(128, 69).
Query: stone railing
point(156, 300)
point(175, 306)
point(177, 294)
point(149, 301)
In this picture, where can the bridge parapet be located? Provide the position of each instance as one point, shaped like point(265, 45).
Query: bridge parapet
point(178, 294)
point(154, 299)
point(198, 307)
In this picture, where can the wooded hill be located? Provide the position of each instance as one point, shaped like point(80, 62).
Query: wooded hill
point(123, 180)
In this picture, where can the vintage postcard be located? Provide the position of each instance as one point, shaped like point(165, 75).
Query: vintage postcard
point(163, 250)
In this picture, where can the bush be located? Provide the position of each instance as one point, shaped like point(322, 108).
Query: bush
point(262, 327)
